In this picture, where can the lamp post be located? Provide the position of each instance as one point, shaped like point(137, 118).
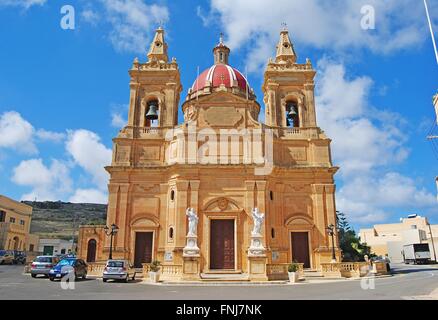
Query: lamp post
point(331, 231)
point(111, 232)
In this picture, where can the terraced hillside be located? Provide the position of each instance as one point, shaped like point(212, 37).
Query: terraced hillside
point(61, 219)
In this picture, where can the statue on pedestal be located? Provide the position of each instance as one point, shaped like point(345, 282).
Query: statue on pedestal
point(256, 248)
point(191, 249)
point(258, 221)
point(193, 222)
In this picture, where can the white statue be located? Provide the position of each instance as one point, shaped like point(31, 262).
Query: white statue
point(193, 221)
point(258, 220)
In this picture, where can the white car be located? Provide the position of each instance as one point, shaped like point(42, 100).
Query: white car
point(118, 270)
point(6, 257)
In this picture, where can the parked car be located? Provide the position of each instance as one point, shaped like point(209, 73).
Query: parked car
point(68, 266)
point(118, 270)
point(6, 257)
point(19, 257)
point(43, 265)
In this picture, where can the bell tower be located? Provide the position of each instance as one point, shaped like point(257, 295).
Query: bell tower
point(289, 88)
point(155, 88)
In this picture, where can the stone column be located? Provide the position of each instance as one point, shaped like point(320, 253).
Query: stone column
point(120, 240)
point(134, 92)
point(181, 207)
point(309, 93)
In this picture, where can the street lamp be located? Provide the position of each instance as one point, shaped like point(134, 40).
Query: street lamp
point(331, 231)
point(111, 232)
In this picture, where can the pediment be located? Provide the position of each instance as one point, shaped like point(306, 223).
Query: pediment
point(145, 221)
point(221, 205)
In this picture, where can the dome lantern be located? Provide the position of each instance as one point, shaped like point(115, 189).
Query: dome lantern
point(221, 52)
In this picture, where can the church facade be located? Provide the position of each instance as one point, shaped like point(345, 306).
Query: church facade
point(221, 193)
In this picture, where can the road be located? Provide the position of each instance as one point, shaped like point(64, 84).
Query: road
point(407, 282)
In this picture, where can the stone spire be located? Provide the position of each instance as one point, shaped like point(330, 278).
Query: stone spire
point(158, 50)
point(285, 48)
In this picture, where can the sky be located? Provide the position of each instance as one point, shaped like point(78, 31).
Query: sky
point(64, 91)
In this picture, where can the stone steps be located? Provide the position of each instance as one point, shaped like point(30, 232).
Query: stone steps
point(224, 277)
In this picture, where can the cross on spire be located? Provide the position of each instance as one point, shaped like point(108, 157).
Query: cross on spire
point(284, 25)
point(221, 38)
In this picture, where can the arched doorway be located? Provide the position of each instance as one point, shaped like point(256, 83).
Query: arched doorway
point(16, 242)
point(91, 250)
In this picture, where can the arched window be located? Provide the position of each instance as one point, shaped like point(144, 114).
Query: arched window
point(152, 113)
point(272, 233)
point(292, 115)
point(91, 250)
point(172, 195)
point(171, 233)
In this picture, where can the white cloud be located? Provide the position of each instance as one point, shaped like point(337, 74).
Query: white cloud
point(89, 153)
point(51, 136)
point(132, 21)
point(47, 183)
point(117, 115)
point(26, 4)
point(330, 25)
point(19, 134)
point(90, 16)
point(361, 141)
point(367, 143)
point(369, 198)
point(16, 133)
point(89, 196)
point(117, 120)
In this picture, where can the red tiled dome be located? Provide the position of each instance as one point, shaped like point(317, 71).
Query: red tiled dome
point(220, 74)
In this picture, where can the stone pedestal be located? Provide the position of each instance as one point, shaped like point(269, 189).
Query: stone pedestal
point(257, 268)
point(257, 259)
point(191, 268)
point(191, 249)
point(256, 248)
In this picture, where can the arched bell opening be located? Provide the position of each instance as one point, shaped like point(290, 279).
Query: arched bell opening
point(152, 113)
point(292, 114)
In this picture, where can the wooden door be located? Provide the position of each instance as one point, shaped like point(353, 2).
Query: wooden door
point(143, 248)
point(91, 250)
point(300, 248)
point(222, 244)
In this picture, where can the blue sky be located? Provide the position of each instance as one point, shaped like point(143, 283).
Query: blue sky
point(63, 93)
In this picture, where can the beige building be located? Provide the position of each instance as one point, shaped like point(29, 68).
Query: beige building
point(185, 194)
point(15, 219)
point(389, 239)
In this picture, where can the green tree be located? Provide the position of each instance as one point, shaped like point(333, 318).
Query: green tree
point(352, 249)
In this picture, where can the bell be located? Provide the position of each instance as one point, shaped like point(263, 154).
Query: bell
point(152, 113)
point(292, 113)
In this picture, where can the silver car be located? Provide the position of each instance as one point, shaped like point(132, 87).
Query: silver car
point(118, 270)
point(43, 265)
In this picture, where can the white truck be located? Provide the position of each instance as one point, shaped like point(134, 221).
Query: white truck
point(416, 253)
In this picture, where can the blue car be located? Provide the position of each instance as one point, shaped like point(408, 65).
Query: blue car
point(73, 266)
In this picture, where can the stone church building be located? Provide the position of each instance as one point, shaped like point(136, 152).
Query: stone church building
point(221, 193)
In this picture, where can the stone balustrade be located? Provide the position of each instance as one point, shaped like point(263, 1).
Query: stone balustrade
point(379, 268)
point(278, 271)
point(345, 269)
point(171, 272)
point(96, 268)
point(146, 269)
